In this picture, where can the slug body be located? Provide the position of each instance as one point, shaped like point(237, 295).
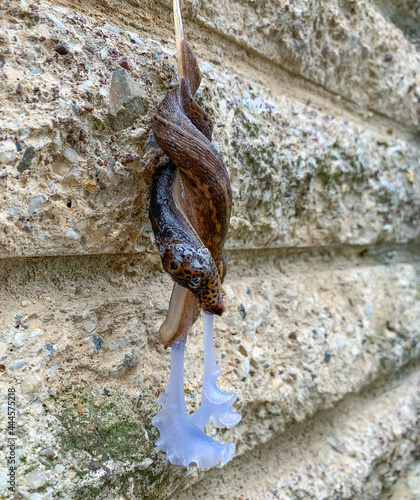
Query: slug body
point(191, 202)
point(183, 254)
point(190, 209)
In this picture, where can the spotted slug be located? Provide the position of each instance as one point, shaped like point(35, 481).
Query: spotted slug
point(191, 202)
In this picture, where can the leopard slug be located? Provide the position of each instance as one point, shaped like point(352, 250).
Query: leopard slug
point(190, 209)
point(191, 202)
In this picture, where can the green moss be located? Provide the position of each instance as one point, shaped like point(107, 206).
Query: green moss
point(144, 484)
point(99, 427)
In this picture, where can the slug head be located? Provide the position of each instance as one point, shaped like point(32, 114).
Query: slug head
point(195, 270)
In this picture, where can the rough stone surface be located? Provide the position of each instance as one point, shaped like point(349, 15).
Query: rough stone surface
point(26, 161)
point(70, 155)
point(35, 479)
point(316, 115)
point(126, 100)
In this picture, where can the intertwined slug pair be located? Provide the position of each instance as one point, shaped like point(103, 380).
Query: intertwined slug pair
point(191, 202)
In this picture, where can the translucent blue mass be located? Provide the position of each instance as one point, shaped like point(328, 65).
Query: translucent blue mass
point(181, 435)
point(215, 404)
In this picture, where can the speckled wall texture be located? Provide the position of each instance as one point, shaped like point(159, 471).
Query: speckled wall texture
point(317, 113)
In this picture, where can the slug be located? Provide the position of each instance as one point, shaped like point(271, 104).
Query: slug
point(191, 201)
point(190, 207)
point(183, 254)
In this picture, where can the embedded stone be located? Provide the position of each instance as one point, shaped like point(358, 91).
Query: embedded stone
point(134, 38)
point(97, 340)
point(72, 234)
point(18, 364)
point(26, 161)
point(36, 202)
point(35, 479)
point(126, 101)
point(59, 469)
point(29, 385)
point(7, 151)
point(70, 155)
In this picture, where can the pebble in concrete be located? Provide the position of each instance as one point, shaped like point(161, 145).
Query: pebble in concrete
point(26, 161)
point(126, 100)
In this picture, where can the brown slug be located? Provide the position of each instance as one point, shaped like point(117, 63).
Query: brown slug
point(182, 252)
point(191, 202)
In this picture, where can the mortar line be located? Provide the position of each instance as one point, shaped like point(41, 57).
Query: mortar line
point(375, 253)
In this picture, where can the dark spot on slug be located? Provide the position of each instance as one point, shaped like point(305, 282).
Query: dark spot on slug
point(174, 265)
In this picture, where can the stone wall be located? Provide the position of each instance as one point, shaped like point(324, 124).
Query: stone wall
point(317, 111)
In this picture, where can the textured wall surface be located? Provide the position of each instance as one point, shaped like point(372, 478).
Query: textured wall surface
point(317, 112)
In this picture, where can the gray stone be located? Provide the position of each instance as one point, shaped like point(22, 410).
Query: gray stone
point(58, 24)
point(14, 124)
point(113, 346)
point(90, 46)
point(35, 70)
point(89, 321)
point(3, 481)
point(85, 85)
point(26, 161)
point(59, 469)
point(19, 339)
point(72, 234)
point(129, 362)
point(15, 210)
point(31, 55)
point(112, 29)
point(18, 364)
point(37, 333)
point(48, 452)
point(7, 151)
point(53, 370)
point(134, 38)
point(49, 348)
point(36, 202)
point(35, 479)
point(126, 101)
point(36, 496)
point(245, 367)
point(70, 155)
point(97, 340)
